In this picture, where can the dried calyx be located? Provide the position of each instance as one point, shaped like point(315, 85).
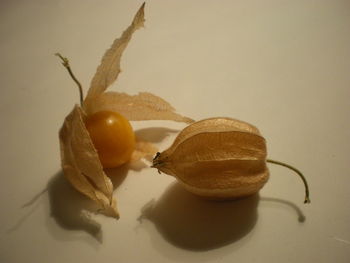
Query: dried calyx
point(79, 158)
point(219, 158)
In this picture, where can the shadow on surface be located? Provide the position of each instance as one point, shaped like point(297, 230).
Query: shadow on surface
point(72, 210)
point(67, 207)
point(31, 206)
point(192, 223)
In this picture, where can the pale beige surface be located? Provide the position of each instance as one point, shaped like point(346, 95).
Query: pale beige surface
point(280, 65)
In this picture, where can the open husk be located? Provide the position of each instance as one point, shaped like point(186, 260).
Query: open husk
point(79, 158)
point(81, 165)
point(217, 158)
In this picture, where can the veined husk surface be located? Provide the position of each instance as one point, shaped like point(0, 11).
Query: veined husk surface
point(217, 158)
point(79, 158)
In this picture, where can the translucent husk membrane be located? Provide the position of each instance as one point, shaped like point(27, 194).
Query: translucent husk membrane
point(80, 161)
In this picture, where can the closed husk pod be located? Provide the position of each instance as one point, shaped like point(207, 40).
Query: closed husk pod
point(217, 158)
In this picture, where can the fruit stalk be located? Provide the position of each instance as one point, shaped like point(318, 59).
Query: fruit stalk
point(65, 63)
point(307, 198)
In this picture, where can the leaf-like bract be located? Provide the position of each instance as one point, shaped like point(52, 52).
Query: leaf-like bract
point(143, 106)
point(109, 68)
point(81, 164)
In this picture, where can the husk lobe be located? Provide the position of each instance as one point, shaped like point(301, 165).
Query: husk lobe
point(81, 165)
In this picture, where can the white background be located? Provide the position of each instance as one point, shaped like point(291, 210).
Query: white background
point(280, 65)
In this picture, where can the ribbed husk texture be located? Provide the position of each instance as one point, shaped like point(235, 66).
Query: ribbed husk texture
point(217, 158)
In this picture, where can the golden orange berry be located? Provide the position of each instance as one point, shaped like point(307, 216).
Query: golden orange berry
point(112, 136)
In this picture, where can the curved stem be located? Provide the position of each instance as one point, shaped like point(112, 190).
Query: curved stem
point(65, 63)
point(307, 199)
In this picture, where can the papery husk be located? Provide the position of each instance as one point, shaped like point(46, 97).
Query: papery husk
point(79, 158)
point(143, 106)
point(109, 68)
point(81, 164)
point(217, 158)
point(80, 161)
